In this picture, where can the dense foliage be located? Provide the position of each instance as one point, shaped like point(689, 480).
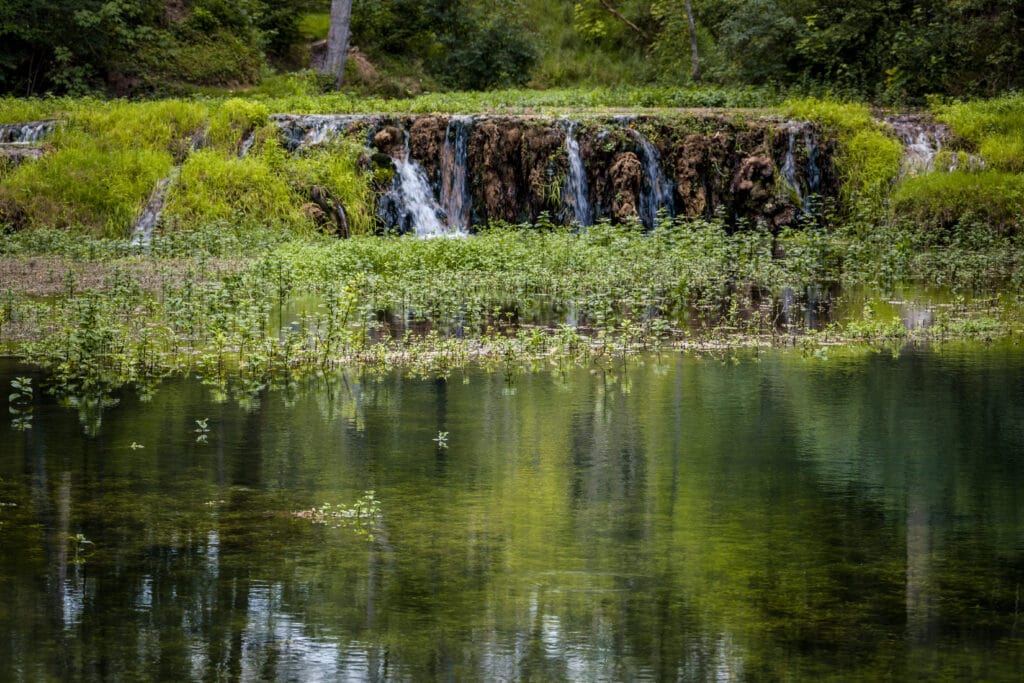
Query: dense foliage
point(884, 50)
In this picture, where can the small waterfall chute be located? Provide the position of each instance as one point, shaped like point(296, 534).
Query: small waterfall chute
point(923, 140)
point(409, 204)
point(29, 133)
point(658, 191)
point(576, 195)
point(142, 230)
point(805, 184)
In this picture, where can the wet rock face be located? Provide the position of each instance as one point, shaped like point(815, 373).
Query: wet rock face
point(626, 180)
point(514, 168)
point(390, 140)
point(426, 140)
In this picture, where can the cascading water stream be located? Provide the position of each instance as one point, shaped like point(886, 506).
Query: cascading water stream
point(813, 169)
point(315, 129)
point(142, 231)
point(657, 192)
point(575, 197)
point(455, 197)
point(409, 205)
point(788, 169)
point(810, 185)
point(923, 139)
point(26, 133)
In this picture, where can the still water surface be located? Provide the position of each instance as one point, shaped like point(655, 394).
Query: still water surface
point(677, 519)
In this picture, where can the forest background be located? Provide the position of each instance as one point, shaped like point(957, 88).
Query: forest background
point(893, 52)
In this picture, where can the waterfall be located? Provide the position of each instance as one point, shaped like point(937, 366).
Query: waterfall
point(813, 170)
point(810, 184)
point(658, 192)
point(26, 133)
point(575, 196)
point(923, 139)
point(455, 198)
point(788, 169)
point(142, 231)
point(409, 205)
point(247, 145)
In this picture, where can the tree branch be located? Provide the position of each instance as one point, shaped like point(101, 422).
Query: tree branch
point(615, 13)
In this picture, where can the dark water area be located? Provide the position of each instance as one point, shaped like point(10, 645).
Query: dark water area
point(774, 517)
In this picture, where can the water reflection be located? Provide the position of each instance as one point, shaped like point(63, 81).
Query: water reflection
point(779, 517)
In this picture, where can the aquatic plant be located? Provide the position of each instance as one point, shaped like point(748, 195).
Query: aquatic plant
point(363, 516)
point(20, 403)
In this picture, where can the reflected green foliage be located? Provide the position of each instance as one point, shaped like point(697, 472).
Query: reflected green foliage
point(771, 515)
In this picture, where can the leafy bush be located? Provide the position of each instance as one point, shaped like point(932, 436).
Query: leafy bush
point(220, 58)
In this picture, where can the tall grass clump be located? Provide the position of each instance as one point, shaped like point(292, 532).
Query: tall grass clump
point(214, 187)
point(169, 125)
point(233, 121)
point(868, 158)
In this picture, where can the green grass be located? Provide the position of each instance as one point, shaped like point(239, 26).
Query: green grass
point(98, 191)
point(108, 157)
point(300, 94)
point(20, 110)
point(942, 199)
point(994, 129)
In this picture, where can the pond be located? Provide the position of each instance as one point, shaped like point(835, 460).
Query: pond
point(750, 517)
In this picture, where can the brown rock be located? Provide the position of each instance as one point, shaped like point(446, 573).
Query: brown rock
point(391, 141)
point(627, 178)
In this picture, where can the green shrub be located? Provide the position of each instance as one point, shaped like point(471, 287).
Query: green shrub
point(945, 198)
point(217, 58)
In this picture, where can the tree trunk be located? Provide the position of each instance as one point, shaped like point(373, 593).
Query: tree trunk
point(693, 42)
point(337, 40)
